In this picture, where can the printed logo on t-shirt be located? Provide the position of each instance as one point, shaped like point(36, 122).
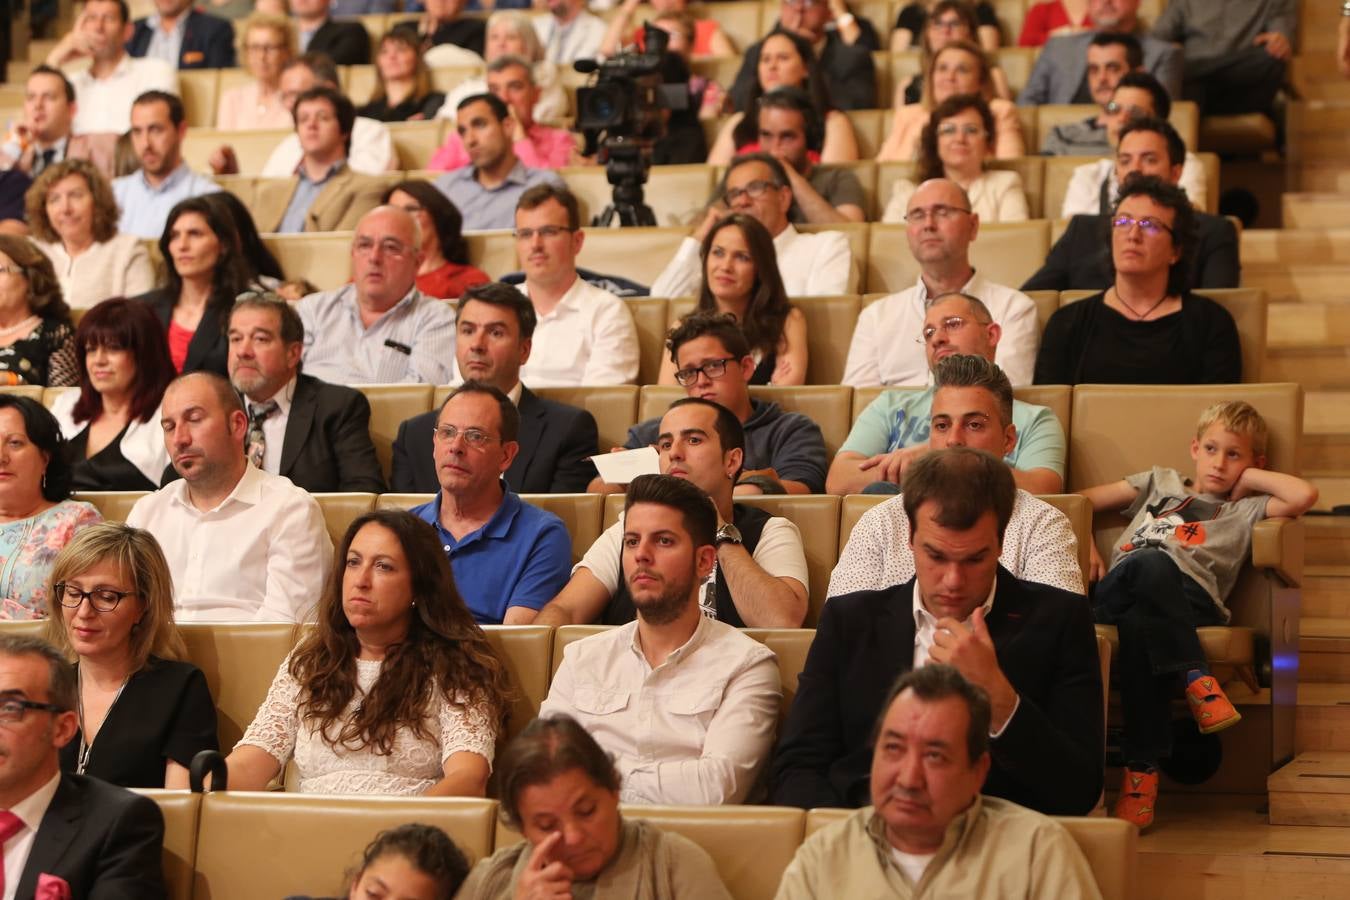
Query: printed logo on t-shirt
point(1180, 518)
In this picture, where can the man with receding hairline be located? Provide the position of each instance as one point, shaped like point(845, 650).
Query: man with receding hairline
point(243, 545)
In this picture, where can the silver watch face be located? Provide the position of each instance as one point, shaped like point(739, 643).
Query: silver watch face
point(728, 534)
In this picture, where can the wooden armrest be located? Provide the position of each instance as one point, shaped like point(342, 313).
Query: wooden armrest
point(1277, 544)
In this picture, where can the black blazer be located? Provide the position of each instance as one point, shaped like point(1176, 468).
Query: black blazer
point(1081, 258)
point(209, 349)
point(208, 42)
point(556, 441)
point(104, 841)
point(346, 43)
point(327, 445)
point(1049, 758)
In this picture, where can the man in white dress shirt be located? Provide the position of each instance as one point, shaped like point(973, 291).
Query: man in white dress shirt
point(105, 91)
point(757, 184)
point(243, 545)
point(584, 335)
point(886, 349)
point(569, 32)
point(702, 698)
point(380, 329)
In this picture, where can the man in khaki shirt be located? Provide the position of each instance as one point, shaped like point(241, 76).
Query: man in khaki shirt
point(928, 832)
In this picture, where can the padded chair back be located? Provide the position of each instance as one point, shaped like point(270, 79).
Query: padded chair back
point(1249, 308)
point(114, 506)
point(31, 391)
point(181, 810)
point(856, 232)
point(614, 407)
point(1078, 511)
point(492, 251)
point(676, 194)
point(1005, 252)
point(525, 649)
point(888, 173)
point(1058, 171)
point(1047, 303)
point(567, 634)
point(390, 405)
point(239, 662)
point(251, 148)
point(242, 186)
point(649, 318)
point(1057, 397)
point(1031, 169)
point(414, 142)
point(579, 512)
point(48, 395)
point(825, 404)
point(324, 259)
point(402, 501)
point(359, 83)
point(790, 646)
point(867, 125)
point(740, 19)
point(817, 518)
point(340, 510)
point(199, 90)
point(851, 509)
point(283, 844)
point(635, 253)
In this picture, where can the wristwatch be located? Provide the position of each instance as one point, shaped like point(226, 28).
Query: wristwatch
point(728, 534)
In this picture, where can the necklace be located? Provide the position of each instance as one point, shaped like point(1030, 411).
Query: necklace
point(1140, 317)
point(26, 323)
point(86, 745)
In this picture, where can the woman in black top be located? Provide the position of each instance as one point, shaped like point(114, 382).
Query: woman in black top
point(403, 92)
point(1146, 328)
point(37, 341)
point(143, 712)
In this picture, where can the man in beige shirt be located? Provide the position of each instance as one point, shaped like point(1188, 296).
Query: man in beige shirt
point(928, 831)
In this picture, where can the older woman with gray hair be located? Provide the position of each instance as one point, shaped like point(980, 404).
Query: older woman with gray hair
point(510, 32)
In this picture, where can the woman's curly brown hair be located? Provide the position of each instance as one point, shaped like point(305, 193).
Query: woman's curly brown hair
point(44, 289)
point(445, 651)
point(104, 224)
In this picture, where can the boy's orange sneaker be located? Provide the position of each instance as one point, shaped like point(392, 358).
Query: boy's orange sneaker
point(1210, 706)
point(1138, 797)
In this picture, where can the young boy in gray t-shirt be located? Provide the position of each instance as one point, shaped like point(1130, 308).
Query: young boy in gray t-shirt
point(1171, 571)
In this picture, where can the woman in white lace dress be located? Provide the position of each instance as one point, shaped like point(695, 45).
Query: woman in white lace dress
point(395, 691)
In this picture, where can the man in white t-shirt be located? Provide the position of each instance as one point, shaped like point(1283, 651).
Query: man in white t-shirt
point(760, 579)
point(569, 32)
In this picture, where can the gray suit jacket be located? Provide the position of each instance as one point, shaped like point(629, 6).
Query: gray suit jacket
point(1062, 65)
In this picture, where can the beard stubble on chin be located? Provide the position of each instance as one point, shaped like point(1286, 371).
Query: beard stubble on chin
point(667, 607)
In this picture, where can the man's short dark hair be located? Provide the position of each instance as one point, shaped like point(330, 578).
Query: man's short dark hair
point(780, 176)
point(1142, 81)
point(45, 69)
point(540, 194)
point(512, 60)
point(321, 65)
point(506, 296)
point(172, 101)
point(1176, 147)
point(1134, 52)
point(548, 747)
point(730, 432)
point(970, 371)
point(510, 416)
point(122, 8)
point(964, 483)
point(291, 328)
point(1185, 230)
point(934, 682)
point(341, 103)
point(721, 326)
point(695, 507)
point(495, 103)
point(62, 689)
point(794, 99)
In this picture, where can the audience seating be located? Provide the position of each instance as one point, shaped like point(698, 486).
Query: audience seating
point(1185, 118)
point(181, 811)
point(857, 234)
point(325, 260)
point(31, 391)
point(200, 90)
point(568, 634)
point(676, 194)
point(525, 649)
point(341, 509)
point(649, 318)
point(239, 661)
point(251, 148)
point(580, 513)
point(790, 646)
point(1058, 397)
point(1007, 253)
point(415, 142)
point(825, 404)
point(390, 405)
point(114, 506)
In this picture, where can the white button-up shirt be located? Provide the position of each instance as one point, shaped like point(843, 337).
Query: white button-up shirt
point(104, 104)
point(695, 730)
point(261, 555)
point(1083, 196)
point(414, 341)
point(372, 151)
point(30, 811)
point(886, 348)
point(925, 626)
point(587, 339)
point(815, 264)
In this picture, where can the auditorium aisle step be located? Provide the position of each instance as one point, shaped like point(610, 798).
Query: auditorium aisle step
point(1323, 717)
point(1314, 789)
point(1324, 650)
point(1326, 431)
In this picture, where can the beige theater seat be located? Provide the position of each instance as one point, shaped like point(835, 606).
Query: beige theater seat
point(242, 186)
point(580, 513)
point(742, 20)
point(613, 406)
point(341, 509)
point(1122, 429)
point(649, 318)
point(324, 258)
point(358, 82)
point(790, 646)
point(492, 251)
point(181, 810)
point(239, 662)
point(200, 90)
point(31, 391)
point(567, 634)
point(676, 194)
point(526, 651)
point(1185, 118)
point(1247, 306)
point(857, 235)
point(402, 501)
point(280, 845)
point(251, 148)
point(1047, 303)
point(415, 142)
point(114, 506)
point(1007, 253)
point(390, 405)
point(1017, 63)
point(1055, 396)
point(635, 253)
point(1110, 847)
point(825, 404)
point(870, 125)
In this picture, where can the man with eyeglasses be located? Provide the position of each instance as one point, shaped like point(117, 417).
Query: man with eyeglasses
point(844, 44)
point(380, 329)
point(65, 835)
point(487, 190)
point(1092, 187)
point(784, 452)
point(940, 228)
point(1081, 258)
point(509, 558)
point(815, 264)
point(894, 428)
point(760, 577)
point(585, 335)
point(184, 37)
point(1084, 67)
point(324, 193)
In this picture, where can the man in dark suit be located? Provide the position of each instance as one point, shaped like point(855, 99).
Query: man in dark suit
point(1029, 646)
point(493, 335)
point(346, 43)
point(100, 841)
point(185, 38)
point(1081, 258)
point(314, 433)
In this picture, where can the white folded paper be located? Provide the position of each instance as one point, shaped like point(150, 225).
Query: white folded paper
point(624, 466)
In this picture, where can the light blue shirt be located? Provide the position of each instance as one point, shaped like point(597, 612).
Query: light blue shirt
point(146, 207)
point(306, 192)
point(167, 46)
point(487, 208)
point(414, 340)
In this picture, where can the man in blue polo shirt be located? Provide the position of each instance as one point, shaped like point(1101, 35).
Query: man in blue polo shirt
point(509, 558)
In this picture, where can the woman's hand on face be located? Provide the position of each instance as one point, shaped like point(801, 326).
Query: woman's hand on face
point(544, 878)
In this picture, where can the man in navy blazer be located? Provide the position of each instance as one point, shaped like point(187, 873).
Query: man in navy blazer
point(493, 336)
point(1031, 647)
point(102, 842)
point(187, 38)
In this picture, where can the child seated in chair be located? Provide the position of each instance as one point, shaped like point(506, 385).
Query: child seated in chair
point(1171, 571)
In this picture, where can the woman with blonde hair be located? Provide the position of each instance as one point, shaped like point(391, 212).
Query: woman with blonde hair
point(266, 43)
point(144, 713)
point(403, 90)
point(73, 215)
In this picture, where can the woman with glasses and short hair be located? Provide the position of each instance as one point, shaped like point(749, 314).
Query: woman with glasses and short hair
point(144, 713)
point(956, 145)
point(266, 44)
point(1147, 328)
point(741, 279)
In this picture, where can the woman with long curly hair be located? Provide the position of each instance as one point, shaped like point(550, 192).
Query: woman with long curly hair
point(395, 690)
